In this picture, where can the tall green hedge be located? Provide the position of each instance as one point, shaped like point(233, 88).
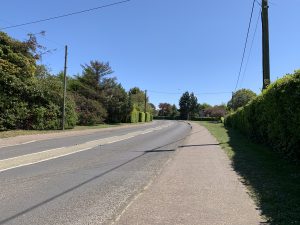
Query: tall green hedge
point(148, 117)
point(134, 116)
point(273, 117)
point(142, 117)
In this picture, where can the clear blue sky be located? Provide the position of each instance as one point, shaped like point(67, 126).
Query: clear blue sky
point(164, 45)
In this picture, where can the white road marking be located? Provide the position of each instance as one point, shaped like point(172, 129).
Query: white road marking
point(43, 160)
point(38, 157)
point(23, 143)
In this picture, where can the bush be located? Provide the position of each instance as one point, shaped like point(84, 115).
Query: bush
point(273, 118)
point(148, 117)
point(134, 116)
point(90, 112)
point(142, 117)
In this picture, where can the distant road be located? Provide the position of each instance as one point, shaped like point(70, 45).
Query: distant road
point(86, 179)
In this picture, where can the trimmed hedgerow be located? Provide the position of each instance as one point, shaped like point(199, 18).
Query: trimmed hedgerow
point(134, 116)
point(148, 117)
point(142, 117)
point(273, 118)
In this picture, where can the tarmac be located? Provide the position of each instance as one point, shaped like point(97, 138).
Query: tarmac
point(198, 186)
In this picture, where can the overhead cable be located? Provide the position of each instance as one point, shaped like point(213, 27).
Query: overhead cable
point(65, 15)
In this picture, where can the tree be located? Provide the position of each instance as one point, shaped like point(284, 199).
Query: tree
point(241, 98)
point(30, 97)
point(94, 73)
point(91, 91)
point(194, 105)
point(174, 111)
point(216, 111)
point(115, 100)
point(152, 109)
point(165, 109)
point(137, 98)
point(185, 105)
point(188, 105)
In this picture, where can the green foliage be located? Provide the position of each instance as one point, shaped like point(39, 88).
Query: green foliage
point(91, 90)
point(134, 116)
point(165, 109)
point(273, 117)
point(115, 101)
point(241, 98)
point(30, 97)
point(151, 109)
point(142, 117)
point(148, 117)
point(188, 105)
point(90, 112)
point(217, 111)
point(137, 98)
point(272, 181)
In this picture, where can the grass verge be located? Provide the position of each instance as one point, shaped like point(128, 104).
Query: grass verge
point(273, 182)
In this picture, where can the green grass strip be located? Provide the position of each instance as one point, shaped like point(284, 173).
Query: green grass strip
point(273, 182)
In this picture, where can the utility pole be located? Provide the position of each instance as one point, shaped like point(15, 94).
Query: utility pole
point(145, 101)
point(265, 43)
point(65, 88)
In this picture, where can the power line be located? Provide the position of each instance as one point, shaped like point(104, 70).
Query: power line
point(42, 34)
point(66, 15)
point(245, 69)
point(244, 51)
point(200, 93)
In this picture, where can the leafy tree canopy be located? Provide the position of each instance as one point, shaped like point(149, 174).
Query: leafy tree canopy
point(241, 98)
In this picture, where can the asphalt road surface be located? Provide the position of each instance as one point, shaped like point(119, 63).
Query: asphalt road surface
point(86, 179)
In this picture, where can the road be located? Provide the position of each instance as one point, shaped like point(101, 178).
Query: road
point(86, 179)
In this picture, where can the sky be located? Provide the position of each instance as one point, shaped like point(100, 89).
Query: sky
point(164, 46)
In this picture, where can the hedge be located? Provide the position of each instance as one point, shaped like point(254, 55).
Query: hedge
point(273, 118)
point(134, 116)
point(147, 117)
point(142, 117)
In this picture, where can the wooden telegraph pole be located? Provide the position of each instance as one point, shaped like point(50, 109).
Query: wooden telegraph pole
point(145, 101)
point(65, 88)
point(265, 43)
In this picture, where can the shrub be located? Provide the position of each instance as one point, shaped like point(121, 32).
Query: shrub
point(90, 112)
point(273, 118)
point(134, 116)
point(142, 117)
point(148, 117)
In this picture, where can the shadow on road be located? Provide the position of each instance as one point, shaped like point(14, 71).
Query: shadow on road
point(202, 145)
point(154, 150)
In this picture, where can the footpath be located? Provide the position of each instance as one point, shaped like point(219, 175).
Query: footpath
point(198, 186)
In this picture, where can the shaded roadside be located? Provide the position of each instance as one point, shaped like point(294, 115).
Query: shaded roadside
point(274, 183)
point(197, 187)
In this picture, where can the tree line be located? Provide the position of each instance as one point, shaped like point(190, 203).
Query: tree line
point(190, 109)
point(31, 97)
